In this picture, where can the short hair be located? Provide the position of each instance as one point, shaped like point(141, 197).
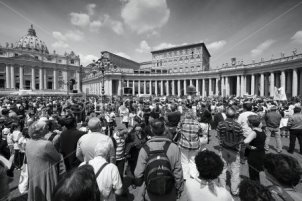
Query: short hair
point(205, 117)
point(158, 127)
point(297, 109)
point(77, 186)
point(254, 120)
point(231, 113)
point(209, 165)
point(248, 106)
point(70, 122)
point(250, 190)
point(285, 169)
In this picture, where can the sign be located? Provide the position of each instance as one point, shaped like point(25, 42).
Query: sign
point(280, 94)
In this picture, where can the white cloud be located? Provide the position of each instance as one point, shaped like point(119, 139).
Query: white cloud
point(144, 15)
point(216, 45)
point(143, 47)
point(116, 26)
point(60, 45)
point(79, 19)
point(297, 38)
point(90, 8)
point(262, 47)
point(122, 54)
point(69, 35)
point(163, 46)
point(95, 25)
point(87, 59)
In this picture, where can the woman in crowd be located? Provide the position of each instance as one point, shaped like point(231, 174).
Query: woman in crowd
point(285, 173)
point(16, 134)
point(255, 151)
point(205, 124)
point(204, 185)
point(124, 113)
point(78, 185)
point(42, 158)
point(250, 190)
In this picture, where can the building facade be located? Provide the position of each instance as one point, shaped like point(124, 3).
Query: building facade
point(28, 65)
point(172, 70)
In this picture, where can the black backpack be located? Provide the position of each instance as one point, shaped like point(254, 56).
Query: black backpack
point(159, 178)
point(231, 139)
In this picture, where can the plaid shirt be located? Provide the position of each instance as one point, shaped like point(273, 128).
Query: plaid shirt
point(190, 131)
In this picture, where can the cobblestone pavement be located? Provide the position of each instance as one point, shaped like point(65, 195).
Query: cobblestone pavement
point(15, 195)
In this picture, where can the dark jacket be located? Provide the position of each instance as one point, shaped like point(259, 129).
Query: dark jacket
point(273, 119)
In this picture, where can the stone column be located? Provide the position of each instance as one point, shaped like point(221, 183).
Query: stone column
point(139, 87)
point(197, 87)
point(65, 87)
point(210, 87)
point(217, 86)
point(78, 80)
point(173, 87)
point(12, 77)
point(45, 78)
point(150, 87)
point(133, 87)
point(7, 77)
point(191, 82)
point(119, 88)
point(167, 88)
point(185, 87)
point(21, 77)
point(272, 84)
point(227, 86)
point(145, 87)
point(204, 94)
point(127, 83)
point(156, 88)
point(41, 79)
point(295, 83)
point(110, 86)
point(178, 88)
point(33, 79)
point(222, 86)
point(161, 87)
point(238, 87)
point(262, 84)
point(252, 84)
point(242, 92)
point(55, 79)
point(283, 80)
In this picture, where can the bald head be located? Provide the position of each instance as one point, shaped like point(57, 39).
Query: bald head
point(231, 113)
point(94, 124)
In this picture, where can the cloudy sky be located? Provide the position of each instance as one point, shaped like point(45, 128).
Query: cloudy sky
point(245, 29)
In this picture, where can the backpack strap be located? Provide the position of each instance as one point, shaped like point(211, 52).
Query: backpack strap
point(53, 135)
point(165, 148)
point(100, 170)
point(280, 193)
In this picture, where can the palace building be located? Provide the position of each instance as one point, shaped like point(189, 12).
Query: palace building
point(172, 70)
point(27, 65)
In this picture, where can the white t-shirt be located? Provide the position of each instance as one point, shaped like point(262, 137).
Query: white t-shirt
point(197, 191)
point(242, 120)
point(108, 180)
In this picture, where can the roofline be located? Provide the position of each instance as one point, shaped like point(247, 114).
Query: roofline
point(183, 46)
point(120, 56)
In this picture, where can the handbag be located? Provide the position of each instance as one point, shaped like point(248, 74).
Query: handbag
point(23, 181)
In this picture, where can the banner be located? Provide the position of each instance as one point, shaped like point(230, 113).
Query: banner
point(280, 94)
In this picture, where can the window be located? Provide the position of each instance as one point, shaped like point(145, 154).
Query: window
point(60, 61)
point(72, 61)
point(16, 55)
point(36, 57)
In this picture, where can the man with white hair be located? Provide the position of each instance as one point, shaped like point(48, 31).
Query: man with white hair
point(107, 174)
point(87, 143)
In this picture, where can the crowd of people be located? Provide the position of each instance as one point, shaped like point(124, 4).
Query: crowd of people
point(75, 149)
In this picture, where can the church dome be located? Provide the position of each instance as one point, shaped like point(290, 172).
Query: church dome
point(32, 42)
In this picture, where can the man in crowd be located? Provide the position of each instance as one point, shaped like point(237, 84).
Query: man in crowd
point(68, 142)
point(230, 136)
point(87, 143)
point(295, 130)
point(159, 142)
point(242, 119)
point(272, 119)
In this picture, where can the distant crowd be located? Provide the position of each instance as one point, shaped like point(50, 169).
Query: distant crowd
point(155, 148)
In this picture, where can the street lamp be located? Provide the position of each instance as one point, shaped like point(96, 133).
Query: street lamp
point(101, 65)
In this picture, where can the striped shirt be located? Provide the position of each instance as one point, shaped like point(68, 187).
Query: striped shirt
point(120, 137)
point(237, 130)
point(190, 131)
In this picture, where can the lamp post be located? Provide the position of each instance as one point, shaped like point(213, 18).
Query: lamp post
point(101, 65)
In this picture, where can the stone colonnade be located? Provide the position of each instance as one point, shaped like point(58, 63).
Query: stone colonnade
point(41, 83)
point(263, 84)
